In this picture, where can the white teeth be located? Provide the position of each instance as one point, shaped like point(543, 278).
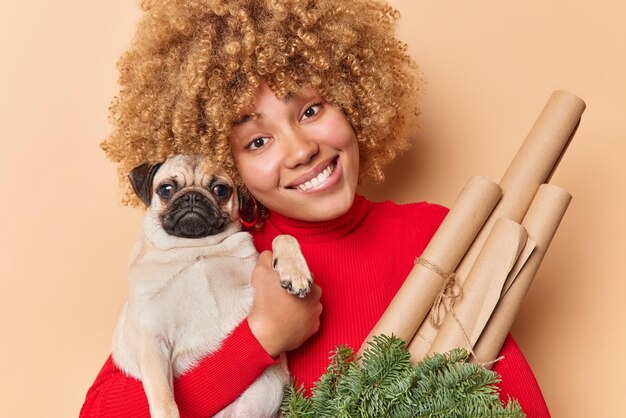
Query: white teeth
point(318, 180)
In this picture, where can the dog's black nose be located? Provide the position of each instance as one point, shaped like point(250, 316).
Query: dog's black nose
point(191, 199)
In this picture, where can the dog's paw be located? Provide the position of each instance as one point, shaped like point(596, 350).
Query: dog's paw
point(296, 285)
point(291, 266)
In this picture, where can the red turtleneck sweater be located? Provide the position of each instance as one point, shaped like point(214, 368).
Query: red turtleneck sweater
point(359, 260)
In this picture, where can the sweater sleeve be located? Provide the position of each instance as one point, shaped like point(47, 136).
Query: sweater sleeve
point(518, 381)
point(203, 391)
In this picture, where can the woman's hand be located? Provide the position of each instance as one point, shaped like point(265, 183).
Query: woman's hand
point(280, 321)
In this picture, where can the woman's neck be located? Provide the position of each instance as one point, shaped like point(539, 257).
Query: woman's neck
point(330, 229)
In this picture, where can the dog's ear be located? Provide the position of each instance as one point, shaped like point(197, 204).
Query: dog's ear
point(141, 179)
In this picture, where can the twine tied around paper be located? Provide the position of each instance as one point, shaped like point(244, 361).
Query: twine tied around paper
point(446, 297)
point(448, 293)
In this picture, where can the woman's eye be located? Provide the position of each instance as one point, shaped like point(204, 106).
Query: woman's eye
point(166, 191)
point(311, 111)
point(257, 143)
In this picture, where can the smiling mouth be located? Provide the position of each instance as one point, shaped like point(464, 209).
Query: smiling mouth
point(319, 180)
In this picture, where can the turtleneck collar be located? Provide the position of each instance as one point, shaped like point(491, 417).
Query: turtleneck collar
point(324, 230)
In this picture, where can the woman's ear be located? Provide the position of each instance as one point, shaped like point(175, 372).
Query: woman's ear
point(141, 179)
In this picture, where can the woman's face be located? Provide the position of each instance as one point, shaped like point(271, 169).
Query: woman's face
point(299, 156)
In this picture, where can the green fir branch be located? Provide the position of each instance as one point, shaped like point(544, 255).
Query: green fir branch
point(388, 385)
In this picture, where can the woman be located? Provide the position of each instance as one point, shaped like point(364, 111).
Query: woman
point(300, 100)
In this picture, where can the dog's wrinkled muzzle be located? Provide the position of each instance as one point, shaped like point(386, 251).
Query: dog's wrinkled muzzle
point(193, 215)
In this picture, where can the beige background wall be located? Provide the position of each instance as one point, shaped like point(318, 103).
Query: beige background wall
point(491, 64)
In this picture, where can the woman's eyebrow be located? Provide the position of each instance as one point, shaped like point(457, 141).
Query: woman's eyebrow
point(246, 118)
point(289, 97)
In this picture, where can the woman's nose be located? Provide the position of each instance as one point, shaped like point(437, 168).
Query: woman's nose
point(299, 150)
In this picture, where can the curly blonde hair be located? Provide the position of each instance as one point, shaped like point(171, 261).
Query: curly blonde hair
point(194, 66)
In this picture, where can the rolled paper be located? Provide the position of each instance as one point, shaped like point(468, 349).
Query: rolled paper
point(483, 287)
point(521, 261)
point(415, 297)
point(541, 222)
point(533, 165)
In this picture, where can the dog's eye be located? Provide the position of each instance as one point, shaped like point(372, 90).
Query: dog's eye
point(220, 190)
point(166, 191)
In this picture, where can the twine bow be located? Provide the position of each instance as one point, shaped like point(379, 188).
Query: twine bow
point(448, 293)
point(445, 299)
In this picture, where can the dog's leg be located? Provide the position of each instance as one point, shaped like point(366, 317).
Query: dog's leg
point(157, 378)
point(226, 412)
point(263, 398)
point(290, 264)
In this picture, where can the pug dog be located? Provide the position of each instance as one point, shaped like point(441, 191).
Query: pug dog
point(189, 283)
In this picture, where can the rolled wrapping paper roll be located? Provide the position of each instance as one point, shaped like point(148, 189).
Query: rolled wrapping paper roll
point(532, 166)
point(541, 222)
point(414, 299)
point(482, 290)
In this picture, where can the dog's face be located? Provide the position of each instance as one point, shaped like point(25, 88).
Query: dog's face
point(188, 195)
